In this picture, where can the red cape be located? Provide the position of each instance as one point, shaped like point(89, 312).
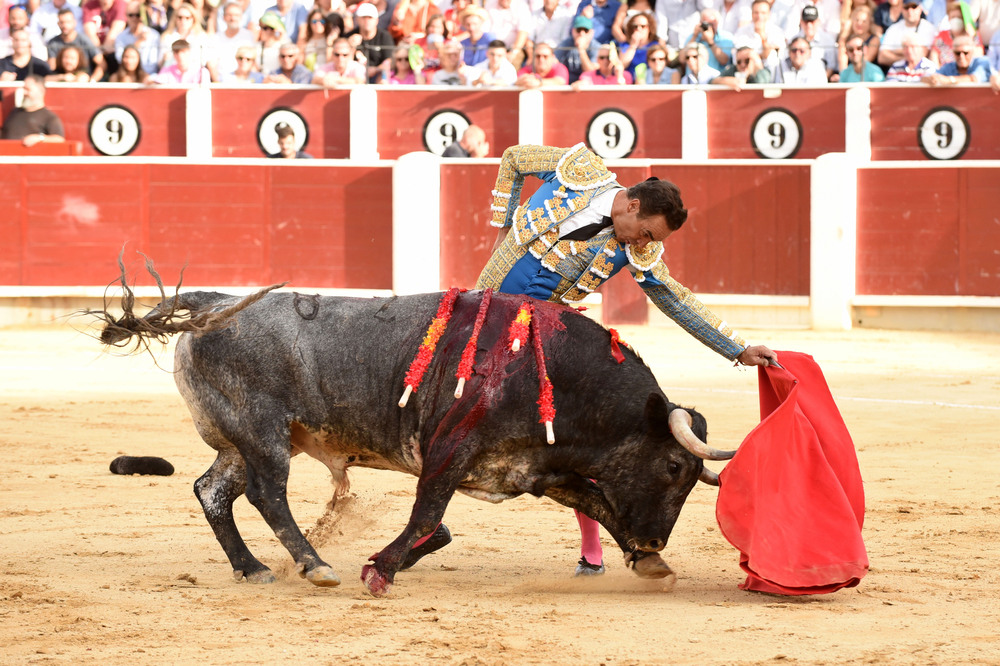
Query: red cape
point(792, 500)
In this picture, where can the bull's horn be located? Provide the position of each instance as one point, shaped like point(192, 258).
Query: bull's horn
point(680, 426)
point(709, 477)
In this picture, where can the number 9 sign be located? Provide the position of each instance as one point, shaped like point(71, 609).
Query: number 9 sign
point(776, 134)
point(612, 134)
point(944, 134)
point(443, 129)
point(114, 131)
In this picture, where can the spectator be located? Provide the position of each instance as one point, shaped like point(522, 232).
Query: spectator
point(822, 45)
point(887, 13)
point(511, 22)
point(859, 68)
point(578, 53)
point(185, 25)
point(146, 40)
point(400, 71)
point(602, 13)
point(286, 143)
point(610, 71)
point(995, 82)
point(994, 52)
point(788, 15)
point(657, 72)
point(182, 68)
point(435, 34)
point(967, 67)
point(733, 15)
point(130, 69)
point(627, 10)
point(203, 14)
point(986, 13)
point(71, 67)
point(800, 68)
point(496, 70)
point(157, 15)
point(764, 37)
point(860, 23)
point(227, 41)
point(314, 41)
point(103, 21)
point(245, 72)
point(292, 14)
point(69, 36)
point(32, 123)
point(472, 144)
point(941, 49)
point(696, 70)
point(373, 44)
point(545, 70)
point(640, 33)
point(247, 14)
point(453, 18)
point(891, 49)
point(747, 68)
point(475, 43)
point(343, 69)
point(44, 20)
point(269, 41)
point(555, 24)
point(454, 71)
point(21, 64)
point(915, 65)
point(289, 70)
point(676, 19)
point(17, 18)
point(410, 16)
point(718, 42)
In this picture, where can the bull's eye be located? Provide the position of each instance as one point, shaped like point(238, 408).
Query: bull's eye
point(674, 468)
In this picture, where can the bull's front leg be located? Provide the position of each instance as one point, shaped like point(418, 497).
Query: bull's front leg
point(585, 496)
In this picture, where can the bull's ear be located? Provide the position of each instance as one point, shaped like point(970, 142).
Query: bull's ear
point(657, 414)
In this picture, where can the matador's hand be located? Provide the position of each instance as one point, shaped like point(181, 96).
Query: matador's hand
point(757, 355)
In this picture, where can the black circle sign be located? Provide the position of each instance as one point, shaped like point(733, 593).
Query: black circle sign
point(944, 134)
point(776, 134)
point(114, 130)
point(612, 134)
point(267, 137)
point(444, 128)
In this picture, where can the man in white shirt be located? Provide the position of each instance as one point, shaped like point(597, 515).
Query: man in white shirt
point(226, 42)
point(762, 35)
point(17, 17)
point(822, 43)
point(510, 21)
point(45, 19)
point(800, 68)
point(891, 49)
point(551, 24)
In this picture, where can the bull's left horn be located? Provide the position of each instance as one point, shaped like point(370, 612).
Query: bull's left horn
point(680, 426)
point(708, 477)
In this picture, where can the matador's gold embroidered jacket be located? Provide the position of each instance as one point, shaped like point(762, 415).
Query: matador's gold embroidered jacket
point(533, 261)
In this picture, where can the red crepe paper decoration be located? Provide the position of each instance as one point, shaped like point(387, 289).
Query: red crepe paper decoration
point(546, 408)
point(615, 349)
point(469, 353)
point(792, 500)
point(519, 327)
point(426, 352)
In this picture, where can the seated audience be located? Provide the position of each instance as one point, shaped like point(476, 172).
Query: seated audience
point(44, 20)
point(31, 122)
point(475, 42)
point(71, 67)
point(511, 22)
point(967, 67)
point(657, 72)
point(453, 71)
point(941, 47)
point(610, 71)
point(17, 19)
point(555, 23)
point(579, 51)
point(183, 68)
point(859, 68)
point(289, 70)
point(230, 36)
point(800, 68)
point(640, 34)
point(496, 70)
point(696, 71)
point(544, 69)
point(21, 64)
point(472, 144)
point(400, 72)
point(719, 43)
point(822, 45)
point(859, 23)
point(286, 144)
point(745, 68)
point(130, 69)
point(374, 45)
point(137, 34)
point(891, 49)
point(410, 16)
point(70, 36)
point(343, 69)
point(246, 68)
point(915, 64)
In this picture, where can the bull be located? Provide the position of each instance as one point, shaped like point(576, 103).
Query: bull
point(275, 374)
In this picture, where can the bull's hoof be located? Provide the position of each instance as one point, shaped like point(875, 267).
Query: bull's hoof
point(260, 577)
point(652, 566)
point(377, 584)
point(322, 576)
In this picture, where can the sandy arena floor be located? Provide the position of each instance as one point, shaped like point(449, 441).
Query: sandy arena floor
point(98, 568)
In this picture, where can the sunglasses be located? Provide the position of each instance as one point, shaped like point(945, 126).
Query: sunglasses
point(267, 27)
point(693, 56)
point(963, 53)
point(744, 61)
point(852, 49)
point(640, 25)
point(133, 15)
point(185, 17)
point(604, 57)
point(403, 59)
point(341, 55)
point(288, 55)
point(796, 50)
point(317, 21)
point(244, 58)
point(658, 59)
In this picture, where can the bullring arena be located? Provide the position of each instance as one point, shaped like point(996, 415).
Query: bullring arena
point(895, 298)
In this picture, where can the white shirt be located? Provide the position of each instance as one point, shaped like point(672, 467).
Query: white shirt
point(225, 48)
point(746, 36)
point(506, 74)
point(505, 24)
point(553, 30)
point(811, 74)
point(592, 214)
point(893, 37)
point(45, 19)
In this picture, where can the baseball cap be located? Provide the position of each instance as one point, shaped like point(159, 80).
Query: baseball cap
point(366, 9)
point(810, 13)
point(583, 22)
point(272, 20)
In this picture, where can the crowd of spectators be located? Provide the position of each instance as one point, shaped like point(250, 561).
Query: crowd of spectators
point(525, 43)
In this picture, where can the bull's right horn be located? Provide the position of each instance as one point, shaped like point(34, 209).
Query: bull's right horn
point(680, 426)
point(709, 477)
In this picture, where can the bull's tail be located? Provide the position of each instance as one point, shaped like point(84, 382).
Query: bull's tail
point(193, 311)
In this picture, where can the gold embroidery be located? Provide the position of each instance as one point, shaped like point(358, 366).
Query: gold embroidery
point(646, 258)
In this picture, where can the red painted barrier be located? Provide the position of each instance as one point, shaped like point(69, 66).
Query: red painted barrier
point(615, 122)
point(413, 119)
point(41, 149)
point(231, 225)
point(960, 123)
point(943, 241)
point(239, 113)
point(775, 123)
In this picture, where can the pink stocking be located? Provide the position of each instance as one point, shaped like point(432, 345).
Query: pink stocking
point(590, 539)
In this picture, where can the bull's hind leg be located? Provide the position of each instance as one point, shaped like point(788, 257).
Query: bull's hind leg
point(217, 489)
point(267, 485)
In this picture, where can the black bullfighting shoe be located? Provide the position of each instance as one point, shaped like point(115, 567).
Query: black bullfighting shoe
point(440, 538)
point(585, 568)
